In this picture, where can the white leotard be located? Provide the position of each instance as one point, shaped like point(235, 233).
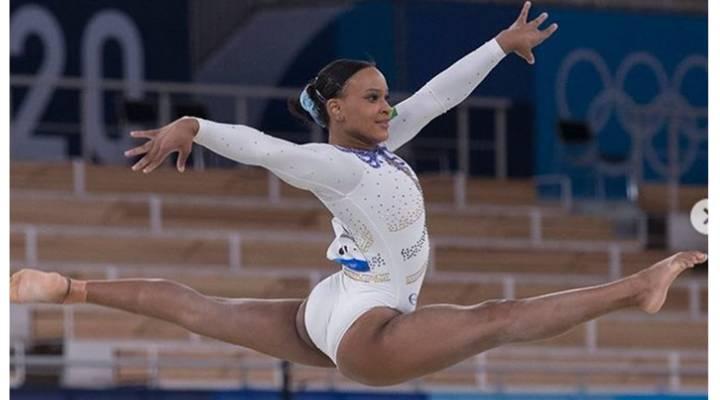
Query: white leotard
point(375, 198)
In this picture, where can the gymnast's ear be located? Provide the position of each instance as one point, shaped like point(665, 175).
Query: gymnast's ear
point(335, 111)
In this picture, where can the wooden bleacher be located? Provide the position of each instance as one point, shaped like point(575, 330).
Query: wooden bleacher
point(654, 198)
point(440, 189)
point(573, 227)
point(489, 226)
point(142, 375)
point(110, 226)
point(253, 183)
point(117, 179)
point(78, 211)
point(508, 192)
point(620, 365)
point(17, 246)
point(461, 293)
point(103, 212)
point(245, 181)
point(41, 176)
point(653, 333)
point(128, 248)
point(615, 365)
point(195, 215)
point(560, 370)
point(512, 261)
point(614, 331)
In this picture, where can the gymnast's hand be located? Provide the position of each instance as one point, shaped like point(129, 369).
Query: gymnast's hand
point(175, 136)
point(522, 36)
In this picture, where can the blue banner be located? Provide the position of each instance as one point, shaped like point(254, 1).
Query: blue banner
point(636, 81)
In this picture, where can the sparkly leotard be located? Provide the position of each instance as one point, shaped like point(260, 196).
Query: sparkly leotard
point(379, 216)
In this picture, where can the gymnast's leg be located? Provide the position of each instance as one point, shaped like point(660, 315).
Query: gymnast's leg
point(435, 337)
point(267, 326)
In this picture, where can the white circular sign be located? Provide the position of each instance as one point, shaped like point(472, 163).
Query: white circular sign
point(699, 216)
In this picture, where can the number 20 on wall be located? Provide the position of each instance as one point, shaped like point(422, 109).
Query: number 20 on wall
point(102, 27)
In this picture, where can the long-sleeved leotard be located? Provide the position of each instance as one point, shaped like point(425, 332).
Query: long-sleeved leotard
point(375, 197)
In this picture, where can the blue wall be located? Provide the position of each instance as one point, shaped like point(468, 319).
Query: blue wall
point(165, 51)
point(164, 32)
point(411, 41)
point(631, 113)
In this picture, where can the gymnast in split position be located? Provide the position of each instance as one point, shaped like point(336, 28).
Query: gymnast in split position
point(362, 319)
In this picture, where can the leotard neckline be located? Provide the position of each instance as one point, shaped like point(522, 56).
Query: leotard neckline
point(374, 157)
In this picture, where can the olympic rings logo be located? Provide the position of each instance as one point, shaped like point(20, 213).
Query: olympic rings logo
point(642, 121)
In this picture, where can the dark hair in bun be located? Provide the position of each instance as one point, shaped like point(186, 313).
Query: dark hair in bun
point(328, 84)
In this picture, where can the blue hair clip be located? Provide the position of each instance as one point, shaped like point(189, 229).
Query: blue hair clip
point(309, 105)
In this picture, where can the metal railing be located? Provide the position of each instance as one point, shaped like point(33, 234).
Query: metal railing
point(242, 95)
point(667, 371)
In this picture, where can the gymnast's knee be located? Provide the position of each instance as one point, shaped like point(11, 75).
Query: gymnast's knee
point(374, 365)
point(379, 376)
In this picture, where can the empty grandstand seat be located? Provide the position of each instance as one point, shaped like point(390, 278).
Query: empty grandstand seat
point(514, 261)
point(655, 199)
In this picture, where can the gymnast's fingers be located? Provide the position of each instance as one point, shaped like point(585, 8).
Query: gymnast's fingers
point(524, 13)
point(143, 162)
point(144, 148)
point(540, 19)
point(149, 134)
point(182, 159)
point(547, 32)
point(155, 162)
point(527, 55)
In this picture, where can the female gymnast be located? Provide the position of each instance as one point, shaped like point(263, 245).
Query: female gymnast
point(363, 319)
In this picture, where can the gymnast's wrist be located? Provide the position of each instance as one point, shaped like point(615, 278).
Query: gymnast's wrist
point(505, 40)
point(192, 124)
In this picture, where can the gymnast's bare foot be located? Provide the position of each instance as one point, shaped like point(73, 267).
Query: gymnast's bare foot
point(32, 286)
point(658, 278)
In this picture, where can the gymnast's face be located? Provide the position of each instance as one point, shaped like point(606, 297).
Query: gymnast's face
point(362, 113)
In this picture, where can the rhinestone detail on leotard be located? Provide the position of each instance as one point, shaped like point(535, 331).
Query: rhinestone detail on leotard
point(410, 252)
point(375, 157)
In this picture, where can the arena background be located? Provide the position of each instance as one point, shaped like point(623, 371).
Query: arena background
point(579, 169)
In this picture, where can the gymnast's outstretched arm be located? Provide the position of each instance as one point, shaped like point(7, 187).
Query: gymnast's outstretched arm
point(312, 166)
point(453, 85)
